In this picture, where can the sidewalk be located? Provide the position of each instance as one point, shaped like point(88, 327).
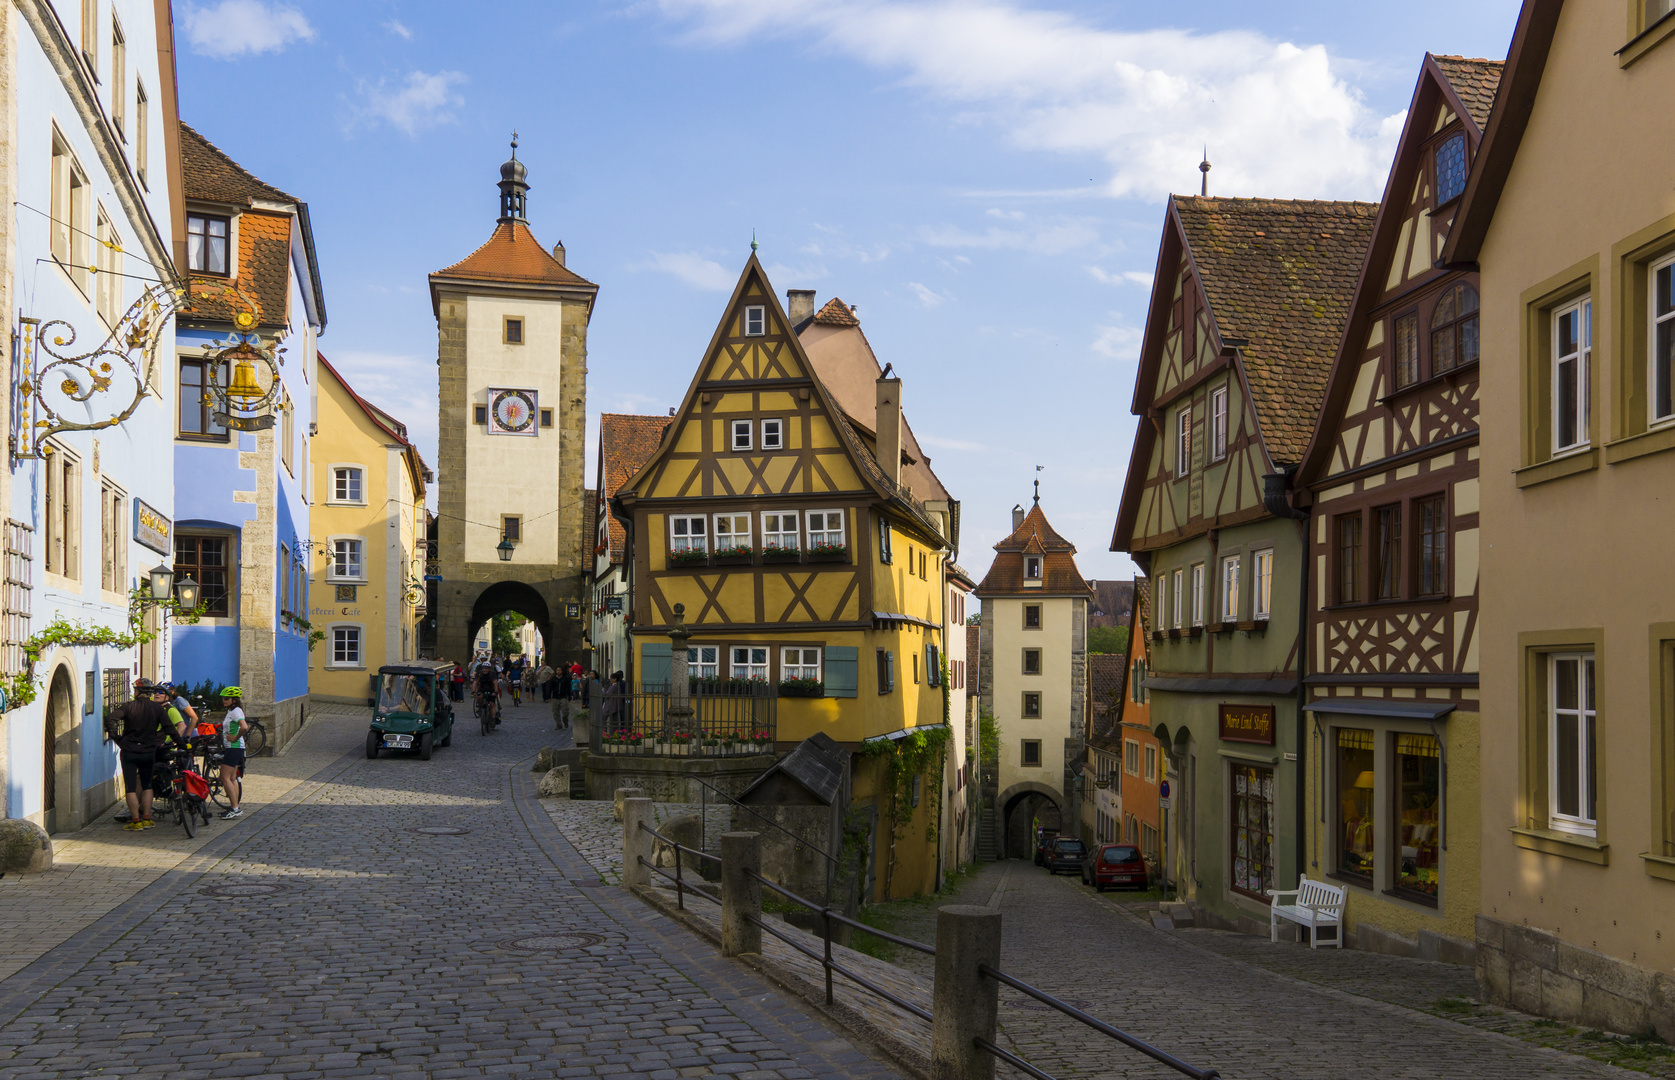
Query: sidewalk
point(100, 867)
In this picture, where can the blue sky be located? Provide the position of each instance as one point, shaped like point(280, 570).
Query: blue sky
point(984, 181)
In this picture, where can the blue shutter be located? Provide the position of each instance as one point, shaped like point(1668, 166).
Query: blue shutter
point(842, 670)
point(655, 663)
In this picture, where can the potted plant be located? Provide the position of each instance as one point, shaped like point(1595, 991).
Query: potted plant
point(826, 551)
point(738, 555)
point(781, 553)
point(689, 557)
point(802, 688)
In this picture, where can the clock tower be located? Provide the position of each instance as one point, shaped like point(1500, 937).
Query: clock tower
point(511, 324)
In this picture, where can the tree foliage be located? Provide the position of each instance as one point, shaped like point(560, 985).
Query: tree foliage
point(505, 636)
point(1108, 639)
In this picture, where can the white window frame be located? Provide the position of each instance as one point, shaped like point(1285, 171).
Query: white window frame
point(1131, 756)
point(1582, 309)
point(781, 537)
point(801, 668)
point(227, 241)
point(113, 538)
point(1230, 589)
point(1654, 321)
point(1160, 594)
point(360, 645)
point(333, 561)
point(735, 528)
point(1197, 594)
point(751, 667)
point(1262, 585)
point(688, 540)
point(1151, 764)
point(1183, 441)
point(741, 436)
point(755, 320)
point(703, 661)
point(1218, 423)
point(1179, 607)
point(1032, 568)
point(773, 434)
point(359, 480)
point(824, 534)
point(1587, 780)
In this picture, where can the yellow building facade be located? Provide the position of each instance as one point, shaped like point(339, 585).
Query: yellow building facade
point(800, 560)
point(366, 576)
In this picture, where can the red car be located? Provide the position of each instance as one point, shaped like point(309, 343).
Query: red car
point(1114, 866)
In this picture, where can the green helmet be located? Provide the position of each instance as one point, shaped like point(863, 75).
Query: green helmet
point(232, 691)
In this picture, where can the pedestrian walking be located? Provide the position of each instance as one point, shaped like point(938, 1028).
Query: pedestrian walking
point(611, 715)
point(232, 753)
point(544, 678)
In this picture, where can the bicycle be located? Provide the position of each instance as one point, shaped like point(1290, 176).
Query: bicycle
point(187, 790)
point(485, 708)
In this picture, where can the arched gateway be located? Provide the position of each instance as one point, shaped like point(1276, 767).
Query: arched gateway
point(512, 400)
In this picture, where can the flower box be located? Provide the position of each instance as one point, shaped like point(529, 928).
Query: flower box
point(689, 558)
point(781, 555)
point(738, 556)
point(802, 688)
point(828, 553)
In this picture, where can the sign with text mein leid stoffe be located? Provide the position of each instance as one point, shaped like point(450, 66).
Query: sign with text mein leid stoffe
point(153, 529)
point(1248, 724)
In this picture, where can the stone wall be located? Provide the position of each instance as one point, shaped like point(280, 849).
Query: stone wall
point(670, 779)
point(1537, 972)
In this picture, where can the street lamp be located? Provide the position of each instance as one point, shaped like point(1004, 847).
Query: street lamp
point(188, 591)
point(504, 548)
point(162, 583)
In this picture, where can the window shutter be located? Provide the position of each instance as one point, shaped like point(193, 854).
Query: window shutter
point(842, 670)
point(656, 662)
point(933, 666)
point(884, 554)
point(889, 669)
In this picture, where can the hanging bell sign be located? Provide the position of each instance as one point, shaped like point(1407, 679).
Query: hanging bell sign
point(243, 389)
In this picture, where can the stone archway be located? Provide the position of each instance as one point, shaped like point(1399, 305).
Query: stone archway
point(504, 596)
point(1020, 807)
point(61, 753)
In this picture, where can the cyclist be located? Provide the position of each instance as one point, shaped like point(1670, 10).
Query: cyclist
point(487, 690)
point(144, 728)
point(232, 757)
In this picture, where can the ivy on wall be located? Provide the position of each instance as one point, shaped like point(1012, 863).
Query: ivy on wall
point(20, 688)
point(905, 759)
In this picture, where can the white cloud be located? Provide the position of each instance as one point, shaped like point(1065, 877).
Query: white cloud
point(695, 270)
point(1277, 118)
point(928, 297)
point(1121, 277)
point(421, 100)
point(396, 27)
point(234, 27)
point(1119, 342)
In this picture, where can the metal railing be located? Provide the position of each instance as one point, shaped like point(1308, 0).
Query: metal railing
point(705, 787)
point(681, 888)
point(712, 721)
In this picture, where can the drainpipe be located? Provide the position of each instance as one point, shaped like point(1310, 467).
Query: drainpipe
point(1274, 488)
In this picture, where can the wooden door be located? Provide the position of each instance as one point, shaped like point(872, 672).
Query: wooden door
point(49, 774)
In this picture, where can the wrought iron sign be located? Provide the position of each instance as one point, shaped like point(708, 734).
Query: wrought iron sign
point(243, 387)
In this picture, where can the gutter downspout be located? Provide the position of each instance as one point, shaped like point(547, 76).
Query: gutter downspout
point(1274, 488)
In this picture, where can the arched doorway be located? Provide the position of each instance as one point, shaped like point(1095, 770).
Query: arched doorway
point(1023, 807)
point(61, 758)
point(515, 596)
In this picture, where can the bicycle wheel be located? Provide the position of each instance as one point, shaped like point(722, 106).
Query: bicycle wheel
point(218, 793)
point(186, 815)
point(255, 740)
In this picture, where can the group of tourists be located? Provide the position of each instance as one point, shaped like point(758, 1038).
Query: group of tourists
point(158, 715)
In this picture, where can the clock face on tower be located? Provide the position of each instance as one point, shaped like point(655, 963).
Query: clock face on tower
point(512, 412)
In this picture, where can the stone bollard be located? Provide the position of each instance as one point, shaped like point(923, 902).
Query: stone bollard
point(636, 842)
point(741, 894)
point(624, 793)
point(964, 1004)
point(686, 830)
point(25, 847)
point(556, 784)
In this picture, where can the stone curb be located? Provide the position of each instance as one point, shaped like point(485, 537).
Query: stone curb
point(895, 1051)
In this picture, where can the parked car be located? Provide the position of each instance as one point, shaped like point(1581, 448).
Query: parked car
point(1065, 853)
point(1114, 866)
point(1044, 836)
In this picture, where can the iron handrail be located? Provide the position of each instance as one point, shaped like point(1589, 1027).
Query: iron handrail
point(1011, 1059)
point(769, 821)
point(680, 886)
point(678, 846)
point(830, 914)
point(831, 965)
point(1097, 1024)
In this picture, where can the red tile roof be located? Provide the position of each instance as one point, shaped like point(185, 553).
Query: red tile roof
point(1106, 675)
point(1474, 81)
point(836, 313)
point(513, 254)
point(1059, 576)
point(626, 442)
point(209, 174)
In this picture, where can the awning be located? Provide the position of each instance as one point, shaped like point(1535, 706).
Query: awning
point(897, 618)
point(1395, 710)
point(906, 731)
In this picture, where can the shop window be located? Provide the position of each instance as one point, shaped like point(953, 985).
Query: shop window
point(1418, 841)
point(1357, 808)
point(1253, 830)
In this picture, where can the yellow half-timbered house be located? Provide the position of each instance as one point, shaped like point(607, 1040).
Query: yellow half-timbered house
point(805, 564)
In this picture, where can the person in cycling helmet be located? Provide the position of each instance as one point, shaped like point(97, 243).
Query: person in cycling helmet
point(487, 687)
point(232, 756)
point(139, 728)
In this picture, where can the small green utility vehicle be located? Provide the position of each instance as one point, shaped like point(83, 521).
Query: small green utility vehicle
point(410, 708)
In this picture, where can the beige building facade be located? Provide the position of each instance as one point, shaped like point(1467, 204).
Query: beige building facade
point(1578, 590)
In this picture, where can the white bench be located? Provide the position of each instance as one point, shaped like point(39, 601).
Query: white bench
point(1314, 904)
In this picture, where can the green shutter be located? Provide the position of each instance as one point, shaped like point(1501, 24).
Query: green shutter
point(842, 670)
point(655, 664)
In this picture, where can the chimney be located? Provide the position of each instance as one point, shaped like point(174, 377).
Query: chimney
point(558, 252)
point(889, 425)
point(1017, 518)
point(799, 305)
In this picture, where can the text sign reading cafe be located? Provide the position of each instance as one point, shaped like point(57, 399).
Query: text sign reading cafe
point(1248, 724)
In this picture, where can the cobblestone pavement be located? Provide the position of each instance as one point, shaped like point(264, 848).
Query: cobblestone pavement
point(401, 918)
point(100, 866)
point(597, 836)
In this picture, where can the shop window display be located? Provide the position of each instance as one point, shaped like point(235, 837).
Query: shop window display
point(1356, 807)
point(1418, 798)
point(1253, 830)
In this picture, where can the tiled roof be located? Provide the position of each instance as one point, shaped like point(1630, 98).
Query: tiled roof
point(512, 253)
point(1280, 274)
point(1059, 575)
point(836, 313)
point(590, 527)
point(973, 635)
point(262, 286)
point(210, 175)
point(1112, 599)
point(626, 442)
point(1143, 603)
point(1106, 675)
point(1475, 81)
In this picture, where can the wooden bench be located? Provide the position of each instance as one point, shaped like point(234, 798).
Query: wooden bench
point(1314, 904)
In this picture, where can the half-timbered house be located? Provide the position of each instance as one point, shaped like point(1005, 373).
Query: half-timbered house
point(803, 560)
point(1392, 477)
point(1247, 309)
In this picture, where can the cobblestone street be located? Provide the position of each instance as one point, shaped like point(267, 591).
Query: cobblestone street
point(402, 919)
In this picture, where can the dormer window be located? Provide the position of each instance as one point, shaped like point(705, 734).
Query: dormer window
point(1451, 168)
point(1032, 568)
point(206, 243)
point(755, 320)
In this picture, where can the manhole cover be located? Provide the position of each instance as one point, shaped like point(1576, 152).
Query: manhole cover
point(1042, 1006)
point(249, 888)
point(440, 830)
point(552, 942)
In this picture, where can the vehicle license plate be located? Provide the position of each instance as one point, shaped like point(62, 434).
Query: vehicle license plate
point(398, 741)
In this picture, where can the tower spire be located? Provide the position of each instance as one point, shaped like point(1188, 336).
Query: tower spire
point(1204, 167)
point(514, 192)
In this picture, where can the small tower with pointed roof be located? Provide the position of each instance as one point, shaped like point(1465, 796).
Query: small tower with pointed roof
point(512, 323)
point(1032, 676)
